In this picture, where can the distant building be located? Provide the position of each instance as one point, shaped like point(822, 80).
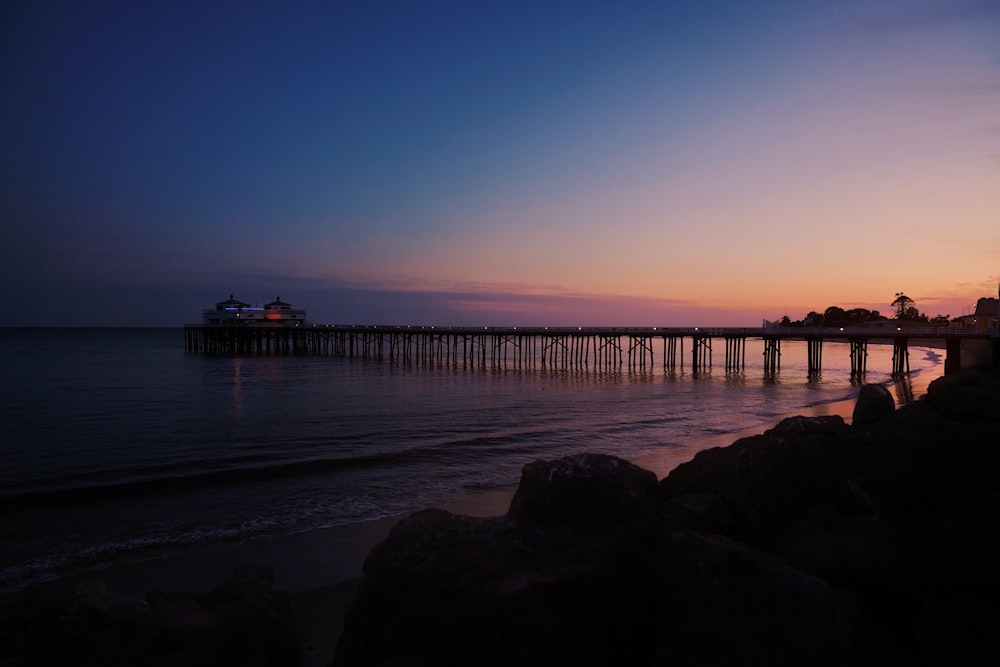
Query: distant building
point(986, 316)
point(233, 312)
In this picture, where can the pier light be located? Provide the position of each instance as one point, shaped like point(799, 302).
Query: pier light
point(841, 328)
point(899, 329)
point(579, 328)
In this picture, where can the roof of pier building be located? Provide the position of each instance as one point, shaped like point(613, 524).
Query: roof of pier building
point(231, 302)
point(278, 304)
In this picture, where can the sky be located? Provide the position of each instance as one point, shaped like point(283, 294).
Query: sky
point(690, 163)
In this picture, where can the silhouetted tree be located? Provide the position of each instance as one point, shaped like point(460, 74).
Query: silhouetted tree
point(901, 304)
point(861, 315)
point(834, 316)
point(913, 315)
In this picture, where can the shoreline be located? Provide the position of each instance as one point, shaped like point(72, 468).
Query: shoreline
point(328, 556)
point(322, 569)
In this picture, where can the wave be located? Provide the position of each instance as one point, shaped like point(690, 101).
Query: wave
point(169, 478)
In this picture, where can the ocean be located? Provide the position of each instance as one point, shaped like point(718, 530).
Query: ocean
point(120, 447)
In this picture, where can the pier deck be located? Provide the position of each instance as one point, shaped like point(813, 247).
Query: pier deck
point(598, 347)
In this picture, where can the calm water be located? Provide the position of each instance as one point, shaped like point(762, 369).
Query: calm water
point(119, 446)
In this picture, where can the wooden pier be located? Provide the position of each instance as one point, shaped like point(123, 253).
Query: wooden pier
point(580, 347)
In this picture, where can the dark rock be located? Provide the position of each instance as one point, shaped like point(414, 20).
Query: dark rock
point(765, 479)
point(966, 397)
point(956, 543)
point(241, 622)
point(858, 553)
point(957, 547)
point(450, 590)
point(724, 603)
point(822, 424)
point(699, 511)
point(592, 491)
point(815, 543)
point(874, 404)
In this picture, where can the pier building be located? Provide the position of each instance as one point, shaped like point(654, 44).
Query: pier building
point(235, 313)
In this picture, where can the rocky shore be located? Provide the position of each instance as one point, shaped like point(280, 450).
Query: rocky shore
point(814, 543)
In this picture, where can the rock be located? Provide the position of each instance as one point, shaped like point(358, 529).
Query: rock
point(857, 553)
point(591, 491)
point(444, 589)
point(724, 603)
point(966, 397)
point(822, 424)
point(874, 404)
point(707, 512)
point(241, 622)
point(957, 546)
point(814, 543)
point(765, 480)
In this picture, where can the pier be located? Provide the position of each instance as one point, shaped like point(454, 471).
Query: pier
point(585, 347)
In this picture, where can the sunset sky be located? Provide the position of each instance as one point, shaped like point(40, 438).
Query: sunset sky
point(501, 163)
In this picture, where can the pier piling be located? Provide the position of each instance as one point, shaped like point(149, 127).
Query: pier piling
point(815, 355)
point(570, 347)
point(859, 356)
point(701, 353)
point(735, 353)
point(772, 355)
point(900, 356)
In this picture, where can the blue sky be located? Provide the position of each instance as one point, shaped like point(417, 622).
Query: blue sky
point(673, 163)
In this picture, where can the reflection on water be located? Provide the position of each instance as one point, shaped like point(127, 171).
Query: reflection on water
point(902, 386)
point(237, 382)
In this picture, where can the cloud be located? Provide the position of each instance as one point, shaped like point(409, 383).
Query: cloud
point(913, 18)
point(971, 87)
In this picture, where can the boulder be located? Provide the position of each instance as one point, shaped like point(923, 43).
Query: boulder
point(725, 603)
point(443, 589)
point(966, 397)
point(767, 480)
point(821, 424)
point(874, 404)
point(857, 553)
point(707, 512)
point(585, 491)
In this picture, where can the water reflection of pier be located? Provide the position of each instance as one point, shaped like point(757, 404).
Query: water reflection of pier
point(564, 347)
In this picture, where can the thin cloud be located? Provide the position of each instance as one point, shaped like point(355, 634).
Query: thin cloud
point(966, 88)
point(912, 19)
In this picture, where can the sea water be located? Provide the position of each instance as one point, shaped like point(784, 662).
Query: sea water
point(118, 446)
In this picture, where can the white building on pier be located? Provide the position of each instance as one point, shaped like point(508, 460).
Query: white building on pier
point(233, 312)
